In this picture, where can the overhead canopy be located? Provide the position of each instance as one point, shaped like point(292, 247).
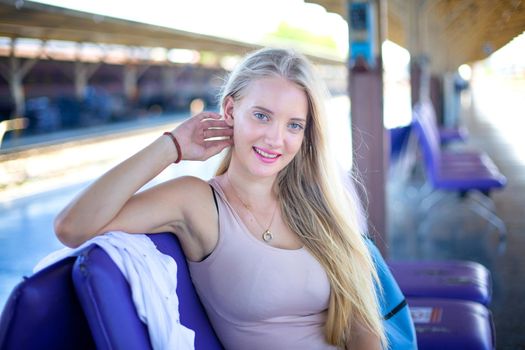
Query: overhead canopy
point(45, 22)
point(449, 32)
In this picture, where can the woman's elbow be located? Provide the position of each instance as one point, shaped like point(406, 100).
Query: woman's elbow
point(65, 231)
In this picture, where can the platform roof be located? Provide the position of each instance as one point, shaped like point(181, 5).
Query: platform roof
point(46, 22)
point(449, 32)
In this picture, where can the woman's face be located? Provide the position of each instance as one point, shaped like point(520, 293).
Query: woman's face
point(269, 123)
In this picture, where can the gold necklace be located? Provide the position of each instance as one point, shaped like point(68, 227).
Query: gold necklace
point(267, 235)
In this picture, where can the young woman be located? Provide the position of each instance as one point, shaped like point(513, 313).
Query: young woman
point(273, 242)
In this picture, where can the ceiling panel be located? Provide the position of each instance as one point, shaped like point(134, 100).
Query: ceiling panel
point(450, 32)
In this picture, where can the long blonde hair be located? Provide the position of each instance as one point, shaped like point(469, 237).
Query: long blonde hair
point(327, 222)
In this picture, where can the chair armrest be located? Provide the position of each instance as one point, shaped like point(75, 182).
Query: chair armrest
point(106, 299)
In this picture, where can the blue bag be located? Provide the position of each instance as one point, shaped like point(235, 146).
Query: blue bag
point(399, 327)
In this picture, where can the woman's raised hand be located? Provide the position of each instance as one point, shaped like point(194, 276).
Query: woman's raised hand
point(198, 135)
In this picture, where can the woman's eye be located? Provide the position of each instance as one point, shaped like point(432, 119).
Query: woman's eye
point(296, 126)
point(261, 116)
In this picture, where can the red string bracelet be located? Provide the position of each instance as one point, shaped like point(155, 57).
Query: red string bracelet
point(177, 146)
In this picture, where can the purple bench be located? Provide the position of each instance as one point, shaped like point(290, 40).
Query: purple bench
point(463, 280)
point(205, 338)
point(452, 324)
point(49, 310)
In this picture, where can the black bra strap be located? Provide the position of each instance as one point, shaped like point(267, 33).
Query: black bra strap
point(395, 310)
point(215, 198)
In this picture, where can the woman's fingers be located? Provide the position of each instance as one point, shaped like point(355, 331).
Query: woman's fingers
point(214, 128)
point(216, 146)
point(208, 115)
point(212, 123)
point(222, 132)
point(203, 136)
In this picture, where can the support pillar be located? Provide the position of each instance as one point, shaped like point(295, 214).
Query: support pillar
point(436, 96)
point(415, 35)
point(371, 145)
point(14, 74)
point(130, 81)
point(370, 140)
point(426, 86)
point(415, 81)
point(16, 87)
point(132, 73)
point(83, 72)
point(168, 80)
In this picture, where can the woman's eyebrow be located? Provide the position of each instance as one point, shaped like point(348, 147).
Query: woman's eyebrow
point(263, 109)
point(298, 120)
point(266, 110)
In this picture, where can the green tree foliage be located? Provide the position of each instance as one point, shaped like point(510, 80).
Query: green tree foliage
point(302, 36)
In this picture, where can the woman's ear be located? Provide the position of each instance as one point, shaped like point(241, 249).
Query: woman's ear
point(227, 107)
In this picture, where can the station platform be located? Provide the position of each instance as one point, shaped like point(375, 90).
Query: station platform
point(37, 163)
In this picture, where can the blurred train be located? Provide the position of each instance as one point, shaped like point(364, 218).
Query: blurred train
point(51, 103)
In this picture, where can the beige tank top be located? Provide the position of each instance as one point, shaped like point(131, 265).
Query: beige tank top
point(258, 296)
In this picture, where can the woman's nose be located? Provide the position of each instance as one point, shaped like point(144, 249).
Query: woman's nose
point(274, 135)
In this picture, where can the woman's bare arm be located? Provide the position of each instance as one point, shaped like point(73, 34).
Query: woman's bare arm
point(362, 339)
point(111, 203)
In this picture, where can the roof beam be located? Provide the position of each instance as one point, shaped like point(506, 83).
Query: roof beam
point(45, 22)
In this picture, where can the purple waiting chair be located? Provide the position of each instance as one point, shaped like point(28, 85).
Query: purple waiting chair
point(461, 280)
point(459, 172)
point(452, 324)
point(105, 297)
point(446, 134)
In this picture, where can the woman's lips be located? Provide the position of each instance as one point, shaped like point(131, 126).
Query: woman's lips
point(265, 155)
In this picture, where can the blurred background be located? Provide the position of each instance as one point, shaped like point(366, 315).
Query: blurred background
point(85, 84)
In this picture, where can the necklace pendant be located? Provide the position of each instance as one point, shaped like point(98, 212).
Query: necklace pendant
point(267, 236)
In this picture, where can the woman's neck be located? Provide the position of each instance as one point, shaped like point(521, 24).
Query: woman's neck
point(254, 191)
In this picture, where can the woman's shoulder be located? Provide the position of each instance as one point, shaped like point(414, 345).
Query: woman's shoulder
point(192, 186)
point(192, 180)
point(187, 191)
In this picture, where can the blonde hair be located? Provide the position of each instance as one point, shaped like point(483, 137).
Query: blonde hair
point(327, 222)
